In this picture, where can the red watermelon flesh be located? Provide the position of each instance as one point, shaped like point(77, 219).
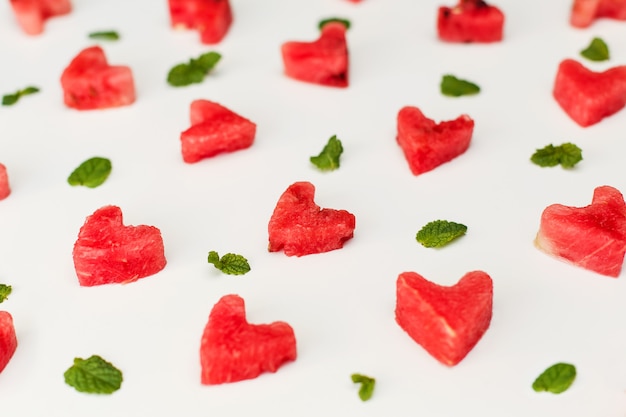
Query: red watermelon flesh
point(8, 339)
point(588, 96)
point(446, 321)
point(214, 130)
point(234, 350)
point(299, 227)
point(89, 82)
point(32, 14)
point(592, 237)
point(584, 12)
point(427, 144)
point(470, 21)
point(5, 188)
point(324, 61)
point(212, 18)
point(108, 252)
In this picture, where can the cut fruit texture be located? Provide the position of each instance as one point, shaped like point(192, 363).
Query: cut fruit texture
point(324, 61)
point(446, 321)
point(299, 227)
point(214, 130)
point(89, 82)
point(32, 14)
point(8, 339)
point(427, 144)
point(588, 96)
point(585, 12)
point(212, 18)
point(5, 188)
point(234, 350)
point(591, 237)
point(108, 252)
point(470, 21)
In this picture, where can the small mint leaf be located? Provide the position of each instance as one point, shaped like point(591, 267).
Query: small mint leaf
point(567, 155)
point(328, 159)
point(231, 264)
point(344, 22)
point(194, 71)
point(93, 375)
point(439, 233)
point(367, 386)
point(455, 87)
point(110, 35)
point(5, 291)
point(556, 379)
point(91, 173)
point(597, 50)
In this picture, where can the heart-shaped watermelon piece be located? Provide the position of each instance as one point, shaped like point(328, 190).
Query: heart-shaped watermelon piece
point(470, 21)
point(8, 339)
point(32, 14)
point(588, 96)
point(324, 61)
point(233, 349)
point(299, 227)
point(212, 18)
point(5, 188)
point(108, 252)
point(585, 12)
point(427, 144)
point(592, 237)
point(214, 130)
point(446, 321)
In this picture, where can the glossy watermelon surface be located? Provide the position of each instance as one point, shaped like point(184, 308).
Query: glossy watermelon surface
point(214, 130)
point(90, 83)
point(591, 237)
point(588, 96)
point(32, 14)
point(298, 226)
point(585, 12)
point(5, 188)
point(427, 144)
point(234, 350)
point(447, 321)
point(470, 21)
point(323, 61)
point(211, 18)
point(107, 251)
point(8, 339)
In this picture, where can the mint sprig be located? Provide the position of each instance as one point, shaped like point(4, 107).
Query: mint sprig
point(109, 35)
point(455, 87)
point(366, 389)
point(556, 379)
point(93, 375)
point(194, 71)
point(439, 233)
point(567, 155)
point(328, 159)
point(343, 21)
point(597, 50)
point(10, 99)
point(231, 264)
point(91, 173)
point(5, 291)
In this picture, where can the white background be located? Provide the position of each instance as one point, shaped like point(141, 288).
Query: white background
point(340, 304)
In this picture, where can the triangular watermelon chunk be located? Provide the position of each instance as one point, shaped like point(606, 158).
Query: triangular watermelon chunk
point(446, 321)
point(234, 350)
point(588, 96)
point(592, 237)
point(8, 339)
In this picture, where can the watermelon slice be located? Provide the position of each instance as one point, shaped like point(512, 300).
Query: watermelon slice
point(108, 252)
point(299, 227)
point(470, 21)
point(212, 18)
point(585, 12)
point(214, 129)
point(89, 82)
point(234, 350)
point(446, 321)
point(8, 339)
point(5, 188)
point(324, 61)
point(32, 14)
point(588, 96)
point(427, 144)
point(592, 237)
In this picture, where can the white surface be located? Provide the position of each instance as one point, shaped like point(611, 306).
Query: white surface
point(341, 303)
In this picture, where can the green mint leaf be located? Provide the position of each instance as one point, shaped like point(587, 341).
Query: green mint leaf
point(323, 22)
point(566, 154)
point(439, 233)
point(5, 291)
point(194, 71)
point(328, 159)
point(105, 35)
point(230, 263)
point(367, 386)
point(556, 379)
point(91, 173)
point(93, 375)
point(597, 50)
point(455, 87)
point(10, 99)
